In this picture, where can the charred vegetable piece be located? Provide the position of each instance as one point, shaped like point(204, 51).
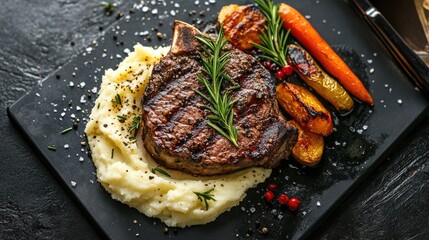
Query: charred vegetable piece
point(308, 150)
point(310, 39)
point(242, 25)
point(304, 108)
point(319, 80)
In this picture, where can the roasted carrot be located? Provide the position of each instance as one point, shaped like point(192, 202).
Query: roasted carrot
point(311, 40)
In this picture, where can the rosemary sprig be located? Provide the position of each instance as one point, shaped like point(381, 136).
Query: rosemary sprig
point(205, 196)
point(274, 39)
point(220, 104)
point(161, 171)
point(135, 125)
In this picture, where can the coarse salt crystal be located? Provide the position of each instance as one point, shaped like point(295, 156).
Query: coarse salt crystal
point(154, 11)
point(318, 204)
point(400, 101)
point(71, 84)
point(145, 8)
point(73, 183)
point(83, 99)
point(66, 146)
point(81, 159)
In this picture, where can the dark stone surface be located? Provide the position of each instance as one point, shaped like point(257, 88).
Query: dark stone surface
point(38, 36)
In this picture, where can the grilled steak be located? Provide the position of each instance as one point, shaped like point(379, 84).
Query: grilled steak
point(175, 130)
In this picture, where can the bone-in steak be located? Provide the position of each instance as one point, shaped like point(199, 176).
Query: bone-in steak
point(175, 130)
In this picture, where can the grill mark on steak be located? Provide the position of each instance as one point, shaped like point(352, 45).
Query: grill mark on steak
point(175, 132)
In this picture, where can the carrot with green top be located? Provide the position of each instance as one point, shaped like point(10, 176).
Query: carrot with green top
point(306, 35)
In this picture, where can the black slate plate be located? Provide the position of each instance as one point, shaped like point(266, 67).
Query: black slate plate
point(361, 141)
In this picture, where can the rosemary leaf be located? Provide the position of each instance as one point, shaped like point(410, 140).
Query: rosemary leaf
point(66, 130)
point(117, 99)
point(160, 170)
point(121, 118)
point(52, 148)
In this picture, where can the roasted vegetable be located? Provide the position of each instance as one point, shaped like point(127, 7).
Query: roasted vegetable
point(241, 25)
point(305, 108)
point(310, 39)
point(309, 71)
point(308, 150)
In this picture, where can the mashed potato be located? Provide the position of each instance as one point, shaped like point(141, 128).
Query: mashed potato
point(124, 167)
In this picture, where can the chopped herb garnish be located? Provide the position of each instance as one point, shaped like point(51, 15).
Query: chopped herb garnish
point(98, 105)
point(108, 7)
point(117, 99)
point(160, 170)
point(66, 130)
point(205, 196)
point(135, 125)
point(121, 118)
point(52, 148)
point(133, 139)
point(113, 153)
point(220, 102)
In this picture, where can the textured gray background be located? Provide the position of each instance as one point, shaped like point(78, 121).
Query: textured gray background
point(38, 36)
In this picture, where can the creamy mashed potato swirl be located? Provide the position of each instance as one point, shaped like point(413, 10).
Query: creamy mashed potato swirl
point(124, 167)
